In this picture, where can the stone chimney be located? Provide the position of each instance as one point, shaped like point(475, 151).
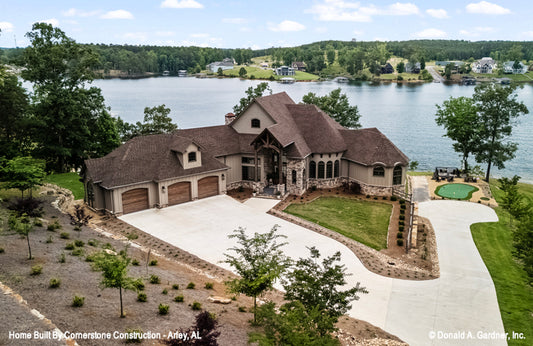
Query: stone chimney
point(229, 118)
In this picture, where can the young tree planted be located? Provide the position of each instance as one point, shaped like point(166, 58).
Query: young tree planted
point(498, 110)
point(23, 226)
point(23, 173)
point(114, 270)
point(258, 260)
point(337, 106)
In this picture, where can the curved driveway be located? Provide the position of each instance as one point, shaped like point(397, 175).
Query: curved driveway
point(462, 300)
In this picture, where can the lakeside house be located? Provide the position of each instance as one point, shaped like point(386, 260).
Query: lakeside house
point(299, 66)
point(484, 65)
point(510, 67)
point(285, 71)
point(273, 142)
point(226, 64)
point(387, 69)
point(412, 67)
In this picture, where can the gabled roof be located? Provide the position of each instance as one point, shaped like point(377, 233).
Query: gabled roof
point(147, 158)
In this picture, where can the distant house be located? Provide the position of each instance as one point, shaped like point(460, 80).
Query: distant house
point(285, 71)
point(226, 64)
point(508, 67)
point(484, 65)
point(387, 69)
point(412, 68)
point(298, 66)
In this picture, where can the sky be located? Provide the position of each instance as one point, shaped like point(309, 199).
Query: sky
point(267, 23)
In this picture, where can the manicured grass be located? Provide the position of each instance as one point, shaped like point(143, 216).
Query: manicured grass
point(364, 221)
point(456, 191)
point(260, 73)
point(416, 173)
point(405, 76)
point(305, 76)
point(515, 297)
point(70, 181)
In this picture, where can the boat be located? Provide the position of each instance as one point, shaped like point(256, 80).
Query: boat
point(342, 79)
point(287, 80)
point(166, 73)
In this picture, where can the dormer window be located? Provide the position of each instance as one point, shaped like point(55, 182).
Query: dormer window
point(192, 156)
point(256, 123)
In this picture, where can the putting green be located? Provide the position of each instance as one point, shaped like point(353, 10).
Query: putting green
point(456, 191)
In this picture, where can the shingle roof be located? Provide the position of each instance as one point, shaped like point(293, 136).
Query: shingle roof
point(146, 158)
point(370, 146)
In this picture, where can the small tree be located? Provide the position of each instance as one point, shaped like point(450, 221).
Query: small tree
point(317, 284)
point(220, 73)
point(251, 95)
point(413, 165)
point(512, 200)
point(523, 244)
point(259, 262)
point(23, 173)
point(114, 270)
point(337, 106)
point(23, 226)
point(400, 67)
point(242, 72)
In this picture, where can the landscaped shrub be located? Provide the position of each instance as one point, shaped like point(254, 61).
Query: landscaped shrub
point(135, 262)
point(178, 299)
point(77, 252)
point(36, 270)
point(163, 309)
point(375, 198)
point(64, 235)
point(402, 217)
point(165, 291)
point(142, 297)
point(108, 246)
point(393, 198)
point(367, 196)
point(402, 201)
point(154, 279)
point(401, 228)
point(191, 286)
point(132, 236)
point(385, 198)
point(77, 228)
point(91, 257)
point(209, 285)
point(54, 226)
point(242, 309)
point(70, 246)
point(79, 243)
point(399, 242)
point(196, 306)
point(38, 223)
point(138, 284)
point(78, 301)
point(401, 223)
point(62, 258)
point(402, 207)
point(133, 336)
point(92, 242)
point(402, 212)
point(399, 235)
point(54, 283)
point(153, 262)
point(175, 287)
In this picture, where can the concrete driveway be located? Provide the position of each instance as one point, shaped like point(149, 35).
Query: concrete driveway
point(462, 301)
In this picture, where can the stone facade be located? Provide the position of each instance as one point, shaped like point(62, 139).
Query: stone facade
point(299, 186)
point(257, 186)
point(326, 183)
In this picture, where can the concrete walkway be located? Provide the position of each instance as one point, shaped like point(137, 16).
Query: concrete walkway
point(463, 299)
point(420, 188)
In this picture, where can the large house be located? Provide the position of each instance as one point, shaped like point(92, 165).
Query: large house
point(514, 67)
point(484, 65)
point(226, 64)
point(274, 143)
point(285, 71)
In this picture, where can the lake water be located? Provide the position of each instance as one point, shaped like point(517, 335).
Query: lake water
point(405, 113)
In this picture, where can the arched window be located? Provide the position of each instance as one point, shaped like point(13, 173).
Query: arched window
point(321, 170)
point(256, 123)
point(312, 170)
point(397, 175)
point(379, 171)
point(329, 170)
point(336, 169)
point(293, 176)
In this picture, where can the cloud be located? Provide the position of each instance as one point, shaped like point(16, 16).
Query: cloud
point(136, 37)
point(72, 12)
point(200, 35)
point(51, 21)
point(476, 32)
point(321, 29)
point(118, 14)
point(6, 26)
point(235, 20)
point(430, 33)
point(181, 4)
point(339, 10)
point(528, 34)
point(286, 25)
point(485, 7)
point(165, 33)
point(438, 13)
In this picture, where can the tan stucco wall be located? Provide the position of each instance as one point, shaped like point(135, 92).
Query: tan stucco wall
point(365, 174)
point(117, 196)
point(185, 160)
point(325, 158)
point(243, 124)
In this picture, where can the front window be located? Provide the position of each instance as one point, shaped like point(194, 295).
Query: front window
point(321, 170)
point(329, 170)
point(379, 171)
point(192, 156)
point(397, 175)
point(336, 169)
point(312, 170)
point(256, 123)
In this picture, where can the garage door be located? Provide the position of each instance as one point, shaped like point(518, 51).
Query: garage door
point(179, 193)
point(207, 187)
point(134, 200)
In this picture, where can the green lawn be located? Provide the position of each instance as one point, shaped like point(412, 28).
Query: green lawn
point(364, 221)
point(260, 73)
point(416, 173)
point(405, 76)
point(70, 181)
point(495, 244)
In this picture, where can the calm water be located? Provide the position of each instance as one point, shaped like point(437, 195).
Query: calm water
point(404, 113)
